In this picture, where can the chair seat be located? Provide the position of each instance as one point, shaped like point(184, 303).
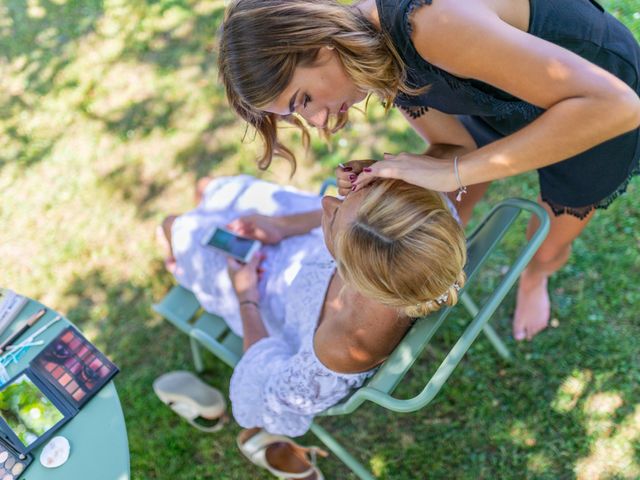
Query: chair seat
point(180, 307)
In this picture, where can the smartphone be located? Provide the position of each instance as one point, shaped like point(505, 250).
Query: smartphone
point(240, 248)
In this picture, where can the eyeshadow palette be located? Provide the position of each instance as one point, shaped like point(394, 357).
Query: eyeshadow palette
point(37, 401)
point(11, 466)
point(74, 366)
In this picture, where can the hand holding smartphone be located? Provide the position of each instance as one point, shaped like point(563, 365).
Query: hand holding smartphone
point(233, 245)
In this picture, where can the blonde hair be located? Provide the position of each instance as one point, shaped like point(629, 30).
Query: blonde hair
point(404, 249)
point(262, 42)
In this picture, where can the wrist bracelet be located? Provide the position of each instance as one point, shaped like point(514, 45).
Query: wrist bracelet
point(250, 302)
point(461, 188)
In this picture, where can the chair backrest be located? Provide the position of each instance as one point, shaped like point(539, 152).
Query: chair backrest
point(481, 243)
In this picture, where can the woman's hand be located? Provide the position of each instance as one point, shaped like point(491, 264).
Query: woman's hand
point(345, 176)
point(265, 229)
point(245, 276)
point(421, 170)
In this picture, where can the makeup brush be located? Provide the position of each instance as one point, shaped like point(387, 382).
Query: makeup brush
point(23, 328)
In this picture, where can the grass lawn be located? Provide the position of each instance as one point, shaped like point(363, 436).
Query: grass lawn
point(110, 111)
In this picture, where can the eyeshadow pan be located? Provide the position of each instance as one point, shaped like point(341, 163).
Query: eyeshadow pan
point(57, 372)
point(10, 462)
point(75, 343)
point(72, 386)
point(17, 469)
point(66, 378)
point(3, 456)
point(49, 366)
point(68, 336)
point(79, 395)
point(75, 368)
point(8, 476)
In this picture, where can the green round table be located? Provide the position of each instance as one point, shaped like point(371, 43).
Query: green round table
point(97, 434)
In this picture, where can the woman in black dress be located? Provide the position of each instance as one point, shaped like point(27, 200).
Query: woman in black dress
point(496, 87)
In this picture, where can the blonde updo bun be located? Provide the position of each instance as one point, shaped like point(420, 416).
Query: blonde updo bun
point(404, 249)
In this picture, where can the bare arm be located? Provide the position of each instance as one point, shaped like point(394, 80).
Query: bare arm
point(270, 230)
point(470, 40)
point(300, 223)
point(244, 279)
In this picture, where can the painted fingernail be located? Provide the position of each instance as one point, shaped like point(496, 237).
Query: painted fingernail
point(353, 188)
point(367, 169)
point(347, 169)
point(352, 177)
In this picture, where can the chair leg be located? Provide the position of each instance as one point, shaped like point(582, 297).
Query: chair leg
point(348, 459)
point(487, 329)
point(196, 354)
point(498, 344)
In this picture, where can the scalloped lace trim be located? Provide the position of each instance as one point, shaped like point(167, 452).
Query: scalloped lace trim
point(582, 212)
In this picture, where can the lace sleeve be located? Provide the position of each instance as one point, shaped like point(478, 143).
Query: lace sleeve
point(281, 390)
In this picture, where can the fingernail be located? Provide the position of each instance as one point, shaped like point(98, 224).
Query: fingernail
point(347, 169)
point(367, 169)
point(353, 188)
point(352, 177)
point(519, 335)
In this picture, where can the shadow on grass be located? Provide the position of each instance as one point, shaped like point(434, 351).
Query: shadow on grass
point(34, 39)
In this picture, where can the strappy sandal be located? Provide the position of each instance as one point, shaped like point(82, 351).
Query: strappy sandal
point(255, 449)
point(192, 399)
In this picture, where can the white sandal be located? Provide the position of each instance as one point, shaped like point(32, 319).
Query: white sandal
point(255, 449)
point(192, 399)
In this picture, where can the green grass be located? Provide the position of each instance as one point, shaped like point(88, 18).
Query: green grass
point(110, 111)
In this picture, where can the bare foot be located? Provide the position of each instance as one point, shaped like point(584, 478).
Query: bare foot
point(163, 235)
point(532, 307)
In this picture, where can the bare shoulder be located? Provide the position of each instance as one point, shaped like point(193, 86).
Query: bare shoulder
point(437, 23)
point(357, 341)
point(346, 356)
point(473, 39)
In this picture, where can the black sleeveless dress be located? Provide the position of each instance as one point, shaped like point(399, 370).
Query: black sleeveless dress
point(592, 179)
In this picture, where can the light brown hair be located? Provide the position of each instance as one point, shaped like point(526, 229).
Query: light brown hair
point(263, 41)
point(404, 249)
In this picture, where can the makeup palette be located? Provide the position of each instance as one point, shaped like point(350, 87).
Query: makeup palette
point(36, 402)
point(11, 465)
point(75, 366)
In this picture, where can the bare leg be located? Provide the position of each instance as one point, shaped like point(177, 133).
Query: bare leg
point(164, 232)
point(532, 304)
point(164, 236)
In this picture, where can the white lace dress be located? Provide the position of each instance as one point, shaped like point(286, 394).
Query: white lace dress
point(279, 384)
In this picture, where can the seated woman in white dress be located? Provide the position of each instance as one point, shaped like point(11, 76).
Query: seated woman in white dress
point(318, 308)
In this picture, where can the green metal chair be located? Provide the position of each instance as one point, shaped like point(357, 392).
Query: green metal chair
point(209, 331)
